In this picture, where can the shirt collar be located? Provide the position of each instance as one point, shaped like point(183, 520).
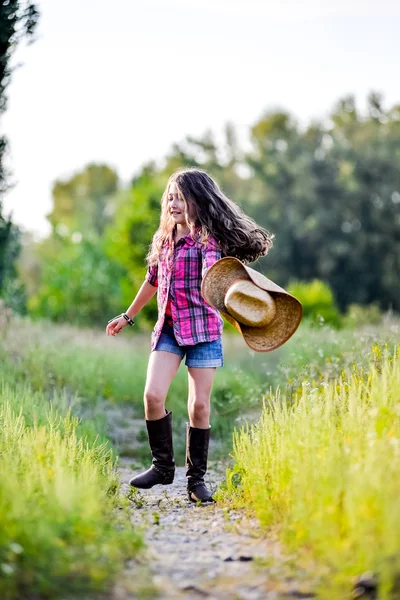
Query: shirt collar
point(187, 240)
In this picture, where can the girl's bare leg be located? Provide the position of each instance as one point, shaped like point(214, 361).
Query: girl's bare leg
point(200, 386)
point(161, 370)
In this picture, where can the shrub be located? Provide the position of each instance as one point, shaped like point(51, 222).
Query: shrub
point(358, 315)
point(61, 533)
point(324, 472)
point(317, 300)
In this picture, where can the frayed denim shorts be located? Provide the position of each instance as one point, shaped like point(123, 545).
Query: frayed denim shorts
point(202, 355)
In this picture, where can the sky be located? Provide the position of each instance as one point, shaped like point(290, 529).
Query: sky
point(120, 82)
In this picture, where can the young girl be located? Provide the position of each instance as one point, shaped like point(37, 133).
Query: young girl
point(198, 225)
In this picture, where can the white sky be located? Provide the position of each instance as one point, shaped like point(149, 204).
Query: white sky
point(120, 82)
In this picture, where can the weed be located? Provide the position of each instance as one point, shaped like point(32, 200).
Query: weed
point(325, 470)
point(136, 498)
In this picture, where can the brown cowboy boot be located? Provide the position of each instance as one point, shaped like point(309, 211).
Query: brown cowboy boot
point(162, 470)
point(197, 441)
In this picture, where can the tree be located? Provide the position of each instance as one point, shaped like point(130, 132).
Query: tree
point(17, 20)
point(11, 288)
point(281, 196)
point(222, 160)
point(83, 203)
point(128, 239)
point(367, 150)
point(83, 286)
point(330, 192)
point(331, 195)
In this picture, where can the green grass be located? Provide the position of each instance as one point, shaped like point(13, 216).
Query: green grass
point(320, 451)
point(64, 529)
point(324, 471)
point(91, 367)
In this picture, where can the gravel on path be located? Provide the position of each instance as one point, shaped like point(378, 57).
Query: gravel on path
point(201, 551)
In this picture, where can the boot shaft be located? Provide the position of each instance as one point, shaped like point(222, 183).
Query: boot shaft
point(197, 443)
point(163, 465)
point(160, 440)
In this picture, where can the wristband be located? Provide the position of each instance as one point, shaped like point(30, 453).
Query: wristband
point(130, 321)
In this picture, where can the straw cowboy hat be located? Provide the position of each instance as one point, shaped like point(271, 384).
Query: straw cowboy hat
point(264, 313)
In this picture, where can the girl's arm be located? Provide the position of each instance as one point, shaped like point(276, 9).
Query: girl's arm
point(146, 292)
point(143, 296)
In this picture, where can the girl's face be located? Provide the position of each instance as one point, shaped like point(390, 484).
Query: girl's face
point(176, 206)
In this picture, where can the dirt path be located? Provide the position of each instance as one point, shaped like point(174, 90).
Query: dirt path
point(203, 551)
point(193, 551)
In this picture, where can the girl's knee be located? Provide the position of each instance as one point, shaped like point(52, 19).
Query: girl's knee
point(153, 398)
point(199, 408)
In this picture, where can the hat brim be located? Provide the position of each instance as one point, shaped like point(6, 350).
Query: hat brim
point(216, 283)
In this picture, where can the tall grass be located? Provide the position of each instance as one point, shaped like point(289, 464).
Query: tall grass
point(61, 533)
point(91, 367)
point(325, 471)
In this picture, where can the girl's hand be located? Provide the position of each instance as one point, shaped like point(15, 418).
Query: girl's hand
point(116, 326)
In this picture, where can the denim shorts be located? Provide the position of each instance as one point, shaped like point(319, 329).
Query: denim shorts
point(203, 354)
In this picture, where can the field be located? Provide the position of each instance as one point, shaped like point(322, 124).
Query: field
point(321, 471)
point(328, 401)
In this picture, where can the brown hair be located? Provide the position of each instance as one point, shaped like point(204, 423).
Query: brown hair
point(209, 213)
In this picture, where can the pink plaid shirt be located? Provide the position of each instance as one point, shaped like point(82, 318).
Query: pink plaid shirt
point(194, 320)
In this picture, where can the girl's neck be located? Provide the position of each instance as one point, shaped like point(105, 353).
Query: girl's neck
point(181, 231)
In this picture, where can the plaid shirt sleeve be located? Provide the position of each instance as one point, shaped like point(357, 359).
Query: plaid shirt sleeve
point(152, 275)
point(210, 254)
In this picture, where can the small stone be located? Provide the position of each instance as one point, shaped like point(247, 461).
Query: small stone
point(365, 586)
point(197, 590)
point(298, 594)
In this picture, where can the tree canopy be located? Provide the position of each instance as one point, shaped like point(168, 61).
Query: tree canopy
point(329, 192)
point(18, 20)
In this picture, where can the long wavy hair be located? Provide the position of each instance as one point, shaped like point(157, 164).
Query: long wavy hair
point(209, 213)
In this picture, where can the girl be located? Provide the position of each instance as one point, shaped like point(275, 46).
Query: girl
point(198, 225)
